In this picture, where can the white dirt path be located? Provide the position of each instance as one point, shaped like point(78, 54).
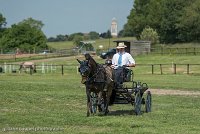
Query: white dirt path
point(174, 92)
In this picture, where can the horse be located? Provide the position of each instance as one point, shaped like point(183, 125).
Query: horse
point(97, 79)
point(25, 65)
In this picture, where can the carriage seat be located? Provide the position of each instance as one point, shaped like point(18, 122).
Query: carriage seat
point(121, 75)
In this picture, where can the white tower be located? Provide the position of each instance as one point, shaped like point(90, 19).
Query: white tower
point(114, 28)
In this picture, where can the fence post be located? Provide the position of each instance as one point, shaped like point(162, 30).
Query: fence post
point(5, 67)
point(161, 72)
point(188, 68)
point(174, 68)
point(152, 68)
point(162, 51)
point(194, 51)
point(62, 69)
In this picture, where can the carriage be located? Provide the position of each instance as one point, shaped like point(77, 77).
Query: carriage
point(127, 92)
point(121, 88)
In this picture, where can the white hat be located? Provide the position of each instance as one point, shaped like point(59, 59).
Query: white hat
point(121, 45)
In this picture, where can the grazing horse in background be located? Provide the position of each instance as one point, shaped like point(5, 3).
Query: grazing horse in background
point(25, 65)
point(97, 79)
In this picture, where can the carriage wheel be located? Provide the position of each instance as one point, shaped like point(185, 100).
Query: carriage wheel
point(148, 102)
point(93, 107)
point(138, 100)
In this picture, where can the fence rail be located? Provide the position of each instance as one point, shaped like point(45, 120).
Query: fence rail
point(141, 68)
point(186, 50)
point(14, 57)
point(172, 68)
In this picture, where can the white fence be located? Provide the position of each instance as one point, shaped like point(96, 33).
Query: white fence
point(14, 68)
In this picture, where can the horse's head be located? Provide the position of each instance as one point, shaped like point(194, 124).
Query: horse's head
point(84, 70)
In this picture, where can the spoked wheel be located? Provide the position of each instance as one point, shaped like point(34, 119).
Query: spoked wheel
point(148, 102)
point(93, 107)
point(138, 100)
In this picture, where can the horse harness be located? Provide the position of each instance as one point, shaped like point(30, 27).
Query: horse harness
point(99, 76)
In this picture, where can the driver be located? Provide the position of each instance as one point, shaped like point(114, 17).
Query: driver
point(119, 60)
point(122, 58)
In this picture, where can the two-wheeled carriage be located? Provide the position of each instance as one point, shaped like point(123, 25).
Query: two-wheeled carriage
point(126, 90)
point(104, 87)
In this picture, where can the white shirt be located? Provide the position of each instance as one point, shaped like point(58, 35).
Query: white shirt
point(126, 59)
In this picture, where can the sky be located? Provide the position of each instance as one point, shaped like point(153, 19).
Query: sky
point(68, 16)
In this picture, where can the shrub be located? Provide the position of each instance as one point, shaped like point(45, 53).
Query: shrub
point(150, 34)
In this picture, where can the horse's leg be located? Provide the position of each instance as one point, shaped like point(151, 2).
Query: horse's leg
point(20, 67)
point(107, 95)
point(99, 96)
point(31, 69)
point(105, 108)
point(34, 68)
point(88, 101)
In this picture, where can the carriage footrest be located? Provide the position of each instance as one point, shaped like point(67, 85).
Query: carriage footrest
point(121, 102)
point(119, 99)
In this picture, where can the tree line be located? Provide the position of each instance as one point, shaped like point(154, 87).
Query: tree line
point(82, 36)
point(173, 20)
point(27, 36)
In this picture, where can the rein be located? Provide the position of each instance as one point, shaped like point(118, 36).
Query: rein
point(95, 74)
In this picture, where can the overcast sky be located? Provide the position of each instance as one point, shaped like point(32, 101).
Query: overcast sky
point(68, 16)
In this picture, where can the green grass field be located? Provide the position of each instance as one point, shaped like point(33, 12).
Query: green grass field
point(59, 102)
point(52, 103)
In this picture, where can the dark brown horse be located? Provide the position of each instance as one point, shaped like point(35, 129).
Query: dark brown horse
point(98, 80)
point(25, 65)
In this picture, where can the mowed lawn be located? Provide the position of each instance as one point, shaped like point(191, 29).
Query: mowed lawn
point(57, 104)
point(52, 103)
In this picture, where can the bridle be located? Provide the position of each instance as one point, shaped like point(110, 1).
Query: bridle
point(85, 70)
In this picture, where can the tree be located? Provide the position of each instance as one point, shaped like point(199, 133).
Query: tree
point(71, 36)
point(2, 21)
point(24, 36)
point(137, 18)
point(2, 24)
point(108, 34)
point(189, 28)
point(174, 20)
point(77, 39)
point(170, 13)
point(93, 35)
point(58, 38)
point(61, 37)
point(32, 23)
